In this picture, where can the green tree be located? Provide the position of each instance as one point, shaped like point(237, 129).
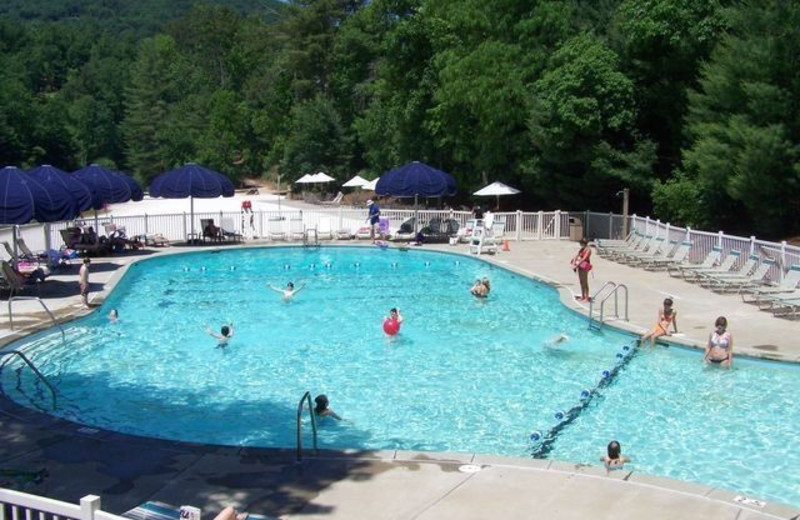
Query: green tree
point(582, 128)
point(744, 122)
point(317, 141)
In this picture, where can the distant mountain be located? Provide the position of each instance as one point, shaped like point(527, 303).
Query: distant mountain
point(143, 17)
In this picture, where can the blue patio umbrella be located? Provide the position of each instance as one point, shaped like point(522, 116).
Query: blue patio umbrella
point(107, 186)
point(191, 180)
point(83, 196)
point(24, 198)
point(416, 179)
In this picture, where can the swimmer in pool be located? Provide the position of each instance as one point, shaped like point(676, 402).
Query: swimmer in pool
point(225, 334)
point(481, 288)
point(719, 348)
point(113, 316)
point(552, 342)
point(289, 292)
point(614, 460)
point(322, 409)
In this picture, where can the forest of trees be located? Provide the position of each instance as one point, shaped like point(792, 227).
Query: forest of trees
point(693, 105)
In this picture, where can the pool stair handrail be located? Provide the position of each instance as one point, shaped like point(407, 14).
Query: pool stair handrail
point(307, 242)
point(47, 310)
point(305, 399)
point(41, 376)
point(608, 290)
point(543, 442)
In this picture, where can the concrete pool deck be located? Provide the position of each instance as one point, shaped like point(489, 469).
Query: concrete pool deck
point(126, 471)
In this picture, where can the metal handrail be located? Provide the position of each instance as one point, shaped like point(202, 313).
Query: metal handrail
point(307, 237)
point(613, 292)
point(35, 371)
point(36, 298)
point(306, 397)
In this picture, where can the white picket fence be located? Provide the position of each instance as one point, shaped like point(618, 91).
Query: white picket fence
point(177, 226)
point(15, 505)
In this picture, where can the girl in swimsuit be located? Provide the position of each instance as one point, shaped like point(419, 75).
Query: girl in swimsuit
point(614, 459)
point(720, 344)
point(666, 316)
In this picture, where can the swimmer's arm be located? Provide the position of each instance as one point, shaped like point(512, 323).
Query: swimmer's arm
point(279, 291)
point(334, 415)
point(211, 332)
point(302, 285)
point(674, 322)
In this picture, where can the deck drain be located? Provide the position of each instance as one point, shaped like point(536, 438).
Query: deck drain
point(469, 468)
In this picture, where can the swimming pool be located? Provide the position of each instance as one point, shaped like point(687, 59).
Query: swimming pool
point(463, 375)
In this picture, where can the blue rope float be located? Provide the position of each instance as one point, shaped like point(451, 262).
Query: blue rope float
point(286, 267)
point(543, 443)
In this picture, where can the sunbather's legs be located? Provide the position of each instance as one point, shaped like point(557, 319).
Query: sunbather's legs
point(230, 513)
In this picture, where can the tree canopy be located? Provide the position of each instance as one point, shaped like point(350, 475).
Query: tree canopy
point(691, 105)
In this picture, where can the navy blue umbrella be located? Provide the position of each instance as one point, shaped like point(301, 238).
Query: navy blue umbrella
point(416, 179)
point(23, 198)
point(108, 187)
point(47, 174)
point(191, 180)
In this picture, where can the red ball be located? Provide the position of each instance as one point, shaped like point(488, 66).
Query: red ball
point(391, 327)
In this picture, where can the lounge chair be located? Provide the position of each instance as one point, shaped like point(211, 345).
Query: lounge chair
point(605, 247)
point(658, 249)
point(275, 229)
point(76, 240)
point(642, 246)
point(682, 269)
point(363, 232)
point(228, 229)
point(324, 229)
point(13, 281)
point(162, 511)
point(406, 231)
point(678, 256)
point(786, 286)
point(210, 230)
point(439, 231)
point(335, 201)
point(725, 267)
point(296, 229)
point(756, 279)
point(709, 278)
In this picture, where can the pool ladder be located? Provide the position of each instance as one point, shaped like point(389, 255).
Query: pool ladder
point(27, 361)
point(34, 298)
point(306, 399)
point(307, 242)
point(600, 297)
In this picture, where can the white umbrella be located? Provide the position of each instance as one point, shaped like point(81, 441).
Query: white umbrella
point(305, 179)
point(356, 182)
point(321, 177)
point(370, 186)
point(496, 189)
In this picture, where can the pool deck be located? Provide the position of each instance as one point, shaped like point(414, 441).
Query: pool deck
point(126, 471)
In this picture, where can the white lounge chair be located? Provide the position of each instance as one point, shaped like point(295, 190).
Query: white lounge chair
point(678, 256)
point(786, 286)
point(754, 279)
point(711, 259)
point(324, 229)
point(709, 278)
point(725, 267)
point(296, 229)
point(658, 249)
point(275, 229)
point(335, 201)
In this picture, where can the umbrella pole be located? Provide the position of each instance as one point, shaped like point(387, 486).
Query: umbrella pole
point(16, 253)
point(96, 223)
point(191, 217)
point(416, 216)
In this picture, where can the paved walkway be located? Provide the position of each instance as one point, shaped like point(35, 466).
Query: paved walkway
point(126, 471)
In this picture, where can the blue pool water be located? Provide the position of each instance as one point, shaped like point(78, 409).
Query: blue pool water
point(463, 375)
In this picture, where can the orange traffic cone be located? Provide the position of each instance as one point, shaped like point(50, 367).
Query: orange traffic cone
point(505, 246)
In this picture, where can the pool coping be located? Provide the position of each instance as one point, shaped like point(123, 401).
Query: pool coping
point(32, 417)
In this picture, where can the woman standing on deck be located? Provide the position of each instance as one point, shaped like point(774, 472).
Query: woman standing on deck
point(582, 264)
